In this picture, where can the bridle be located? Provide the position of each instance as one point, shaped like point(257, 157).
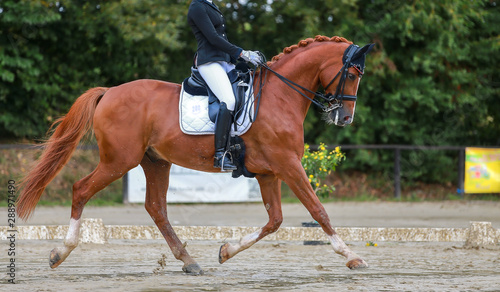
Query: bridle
point(329, 101)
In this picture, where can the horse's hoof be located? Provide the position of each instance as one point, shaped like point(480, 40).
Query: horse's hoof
point(193, 269)
point(223, 256)
point(356, 264)
point(54, 259)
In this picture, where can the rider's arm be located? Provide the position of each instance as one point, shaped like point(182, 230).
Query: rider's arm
point(198, 15)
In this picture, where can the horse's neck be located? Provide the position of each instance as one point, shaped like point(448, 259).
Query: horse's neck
point(301, 68)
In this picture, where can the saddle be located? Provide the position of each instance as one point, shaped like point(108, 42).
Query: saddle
point(240, 79)
point(198, 109)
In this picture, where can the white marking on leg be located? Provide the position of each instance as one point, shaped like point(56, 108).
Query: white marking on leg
point(59, 254)
point(245, 242)
point(341, 248)
point(72, 237)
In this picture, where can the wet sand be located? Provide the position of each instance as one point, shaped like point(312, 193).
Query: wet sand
point(267, 266)
point(133, 265)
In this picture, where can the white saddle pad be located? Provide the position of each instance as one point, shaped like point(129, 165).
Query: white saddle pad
point(194, 119)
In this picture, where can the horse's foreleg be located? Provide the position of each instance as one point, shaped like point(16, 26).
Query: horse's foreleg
point(298, 182)
point(271, 196)
point(83, 190)
point(157, 174)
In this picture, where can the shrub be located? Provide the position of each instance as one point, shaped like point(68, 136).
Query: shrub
point(319, 164)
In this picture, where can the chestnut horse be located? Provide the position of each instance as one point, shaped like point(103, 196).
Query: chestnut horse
point(142, 117)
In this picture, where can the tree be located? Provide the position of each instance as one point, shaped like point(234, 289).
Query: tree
point(53, 51)
point(432, 78)
point(21, 68)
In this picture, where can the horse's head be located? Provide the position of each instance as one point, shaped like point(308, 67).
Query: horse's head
point(342, 102)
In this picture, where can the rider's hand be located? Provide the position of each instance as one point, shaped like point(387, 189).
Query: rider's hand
point(252, 57)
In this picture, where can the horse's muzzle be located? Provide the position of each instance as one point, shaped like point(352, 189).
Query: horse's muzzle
point(340, 117)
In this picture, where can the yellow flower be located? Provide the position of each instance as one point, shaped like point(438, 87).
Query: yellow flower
point(306, 146)
point(310, 180)
point(305, 156)
point(337, 149)
point(311, 176)
point(317, 184)
point(375, 244)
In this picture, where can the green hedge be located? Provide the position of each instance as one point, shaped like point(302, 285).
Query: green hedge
point(432, 79)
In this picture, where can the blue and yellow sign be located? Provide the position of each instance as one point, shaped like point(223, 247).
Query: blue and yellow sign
point(482, 170)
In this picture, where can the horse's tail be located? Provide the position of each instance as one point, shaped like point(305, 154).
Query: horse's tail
point(58, 149)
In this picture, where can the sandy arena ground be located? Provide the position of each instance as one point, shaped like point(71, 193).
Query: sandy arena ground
point(148, 265)
point(134, 266)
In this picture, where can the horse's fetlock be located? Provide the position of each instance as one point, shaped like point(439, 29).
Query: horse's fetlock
point(71, 243)
point(180, 254)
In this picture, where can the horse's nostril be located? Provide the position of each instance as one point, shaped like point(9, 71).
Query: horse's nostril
point(347, 118)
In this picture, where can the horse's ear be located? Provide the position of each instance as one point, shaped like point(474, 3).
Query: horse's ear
point(364, 50)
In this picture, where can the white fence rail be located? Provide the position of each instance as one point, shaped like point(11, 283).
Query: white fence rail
point(94, 231)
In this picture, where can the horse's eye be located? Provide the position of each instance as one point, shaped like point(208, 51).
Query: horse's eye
point(351, 76)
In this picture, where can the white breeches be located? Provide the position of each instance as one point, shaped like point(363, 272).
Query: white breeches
point(215, 75)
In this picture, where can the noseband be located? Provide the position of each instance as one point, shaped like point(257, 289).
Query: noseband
point(330, 101)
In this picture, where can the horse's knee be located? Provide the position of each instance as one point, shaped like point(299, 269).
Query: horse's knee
point(277, 223)
point(274, 224)
point(152, 207)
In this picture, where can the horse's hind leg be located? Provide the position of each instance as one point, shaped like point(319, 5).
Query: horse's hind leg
point(156, 204)
point(83, 190)
point(271, 196)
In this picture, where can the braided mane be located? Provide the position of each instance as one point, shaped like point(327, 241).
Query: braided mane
point(304, 43)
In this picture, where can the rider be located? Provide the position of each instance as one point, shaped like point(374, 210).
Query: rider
point(215, 57)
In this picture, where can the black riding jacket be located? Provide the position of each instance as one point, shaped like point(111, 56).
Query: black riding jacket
point(209, 28)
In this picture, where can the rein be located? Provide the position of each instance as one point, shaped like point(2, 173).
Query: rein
point(332, 101)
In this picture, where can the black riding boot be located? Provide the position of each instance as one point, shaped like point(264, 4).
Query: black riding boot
point(223, 124)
